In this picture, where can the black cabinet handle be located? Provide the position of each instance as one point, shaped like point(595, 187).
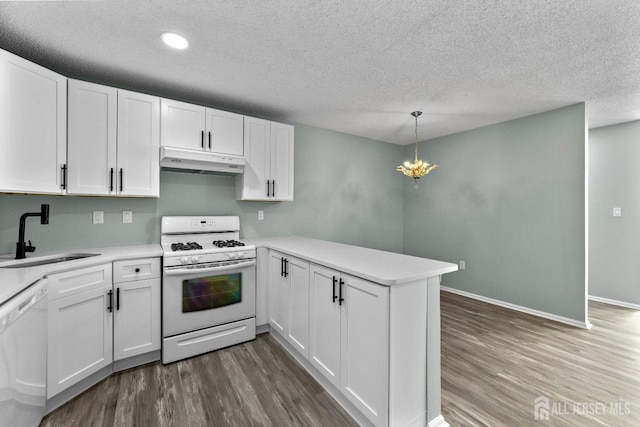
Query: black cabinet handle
point(334, 289)
point(110, 307)
point(121, 180)
point(340, 299)
point(111, 180)
point(281, 267)
point(118, 299)
point(273, 188)
point(286, 267)
point(137, 270)
point(268, 188)
point(64, 177)
point(202, 139)
point(209, 140)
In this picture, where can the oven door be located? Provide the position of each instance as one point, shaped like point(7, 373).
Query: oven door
point(198, 298)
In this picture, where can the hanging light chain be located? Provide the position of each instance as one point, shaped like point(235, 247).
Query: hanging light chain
point(419, 168)
point(416, 114)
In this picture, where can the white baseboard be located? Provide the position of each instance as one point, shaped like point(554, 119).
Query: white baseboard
point(538, 313)
point(615, 302)
point(438, 422)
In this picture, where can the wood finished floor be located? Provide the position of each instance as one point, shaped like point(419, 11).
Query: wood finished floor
point(495, 363)
point(252, 384)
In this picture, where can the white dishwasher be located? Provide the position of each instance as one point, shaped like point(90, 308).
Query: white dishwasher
point(23, 356)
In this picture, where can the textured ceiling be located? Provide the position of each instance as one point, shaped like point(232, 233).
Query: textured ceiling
point(357, 66)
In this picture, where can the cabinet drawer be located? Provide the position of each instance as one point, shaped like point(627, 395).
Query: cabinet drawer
point(136, 269)
point(77, 281)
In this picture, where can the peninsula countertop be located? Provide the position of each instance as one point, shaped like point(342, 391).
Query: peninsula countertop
point(385, 268)
point(14, 280)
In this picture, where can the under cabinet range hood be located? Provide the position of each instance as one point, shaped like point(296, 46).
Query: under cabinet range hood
point(183, 160)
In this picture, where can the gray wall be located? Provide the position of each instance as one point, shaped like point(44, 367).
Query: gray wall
point(346, 190)
point(508, 199)
point(614, 181)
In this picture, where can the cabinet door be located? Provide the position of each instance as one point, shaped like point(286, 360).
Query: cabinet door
point(365, 347)
point(91, 146)
point(138, 162)
point(225, 132)
point(282, 160)
point(182, 125)
point(297, 327)
point(136, 328)
point(324, 324)
point(252, 184)
point(278, 294)
point(33, 127)
point(80, 338)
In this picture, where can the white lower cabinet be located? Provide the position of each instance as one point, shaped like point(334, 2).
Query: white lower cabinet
point(80, 337)
point(349, 338)
point(94, 321)
point(289, 299)
point(136, 326)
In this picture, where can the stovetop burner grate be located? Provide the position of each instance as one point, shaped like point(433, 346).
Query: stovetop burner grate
point(189, 246)
point(227, 243)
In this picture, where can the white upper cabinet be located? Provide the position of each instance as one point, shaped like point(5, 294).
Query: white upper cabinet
point(33, 131)
point(114, 140)
point(138, 159)
point(268, 150)
point(93, 115)
point(225, 132)
point(199, 128)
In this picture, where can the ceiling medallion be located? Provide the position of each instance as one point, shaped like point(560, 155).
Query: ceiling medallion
point(419, 168)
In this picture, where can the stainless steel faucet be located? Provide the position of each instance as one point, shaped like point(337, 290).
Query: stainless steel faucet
point(21, 247)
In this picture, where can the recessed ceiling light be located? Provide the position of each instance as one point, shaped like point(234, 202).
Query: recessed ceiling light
point(174, 40)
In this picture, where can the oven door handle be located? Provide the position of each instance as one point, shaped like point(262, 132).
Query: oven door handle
point(199, 271)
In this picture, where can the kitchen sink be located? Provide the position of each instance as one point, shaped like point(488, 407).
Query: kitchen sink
point(53, 260)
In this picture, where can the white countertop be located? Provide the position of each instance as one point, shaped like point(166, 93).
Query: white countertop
point(14, 280)
point(385, 268)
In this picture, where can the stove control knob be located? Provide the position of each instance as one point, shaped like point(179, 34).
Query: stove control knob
point(240, 254)
point(233, 255)
point(184, 260)
point(194, 259)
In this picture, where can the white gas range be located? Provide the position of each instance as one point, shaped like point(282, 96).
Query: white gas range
point(208, 286)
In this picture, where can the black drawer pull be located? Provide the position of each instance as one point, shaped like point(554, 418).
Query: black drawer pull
point(334, 289)
point(64, 177)
point(137, 270)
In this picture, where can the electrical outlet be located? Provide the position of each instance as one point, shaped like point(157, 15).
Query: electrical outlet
point(617, 212)
point(127, 217)
point(260, 215)
point(98, 217)
point(462, 265)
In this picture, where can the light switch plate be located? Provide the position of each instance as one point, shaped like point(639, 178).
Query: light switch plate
point(617, 212)
point(98, 217)
point(127, 217)
point(260, 215)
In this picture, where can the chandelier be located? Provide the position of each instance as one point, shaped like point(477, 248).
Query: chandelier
point(419, 168)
